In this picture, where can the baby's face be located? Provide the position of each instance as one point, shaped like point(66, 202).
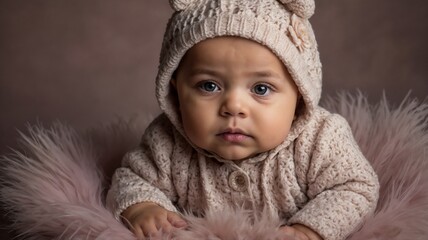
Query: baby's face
point(235, 96)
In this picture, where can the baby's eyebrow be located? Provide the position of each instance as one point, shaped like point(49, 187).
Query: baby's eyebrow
point(264, 74)
point(206, 71)
point(250, 73)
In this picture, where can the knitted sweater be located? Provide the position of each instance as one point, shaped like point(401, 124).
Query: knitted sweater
point(317, 177)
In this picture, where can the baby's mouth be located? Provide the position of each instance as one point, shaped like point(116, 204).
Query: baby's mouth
point(234, 135)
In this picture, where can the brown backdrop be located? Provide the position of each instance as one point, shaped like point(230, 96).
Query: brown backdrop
point(87, 62)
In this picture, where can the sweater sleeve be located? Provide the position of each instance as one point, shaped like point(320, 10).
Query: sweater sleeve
point(145, 174)
point(341, 184)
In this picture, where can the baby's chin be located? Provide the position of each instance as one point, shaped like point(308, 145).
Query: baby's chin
point(235, 156)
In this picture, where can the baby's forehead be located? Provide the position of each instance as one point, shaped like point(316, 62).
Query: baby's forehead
point(232, 58)
point(233, 50)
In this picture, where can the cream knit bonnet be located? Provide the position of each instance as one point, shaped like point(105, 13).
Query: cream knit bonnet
point(281, 25)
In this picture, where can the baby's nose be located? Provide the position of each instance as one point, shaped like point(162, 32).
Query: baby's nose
point(234, 105)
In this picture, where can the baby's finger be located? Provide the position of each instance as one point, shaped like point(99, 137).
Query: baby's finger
point(149, 229)
point(294, 233)
point(290, 233)
point(165, 226)
point(138, 232)
point(176, 220)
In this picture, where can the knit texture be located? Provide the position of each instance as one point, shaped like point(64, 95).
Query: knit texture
point(282, 26)
point(318, 178)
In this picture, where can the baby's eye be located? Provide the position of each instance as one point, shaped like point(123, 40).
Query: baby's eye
point(209, 86)
point(261, 89)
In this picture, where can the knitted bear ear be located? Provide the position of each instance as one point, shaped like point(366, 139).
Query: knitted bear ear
point(302, 8)
point(180, 5)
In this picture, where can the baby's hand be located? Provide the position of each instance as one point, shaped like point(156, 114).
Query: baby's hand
point(300, 232)
point(147, 219)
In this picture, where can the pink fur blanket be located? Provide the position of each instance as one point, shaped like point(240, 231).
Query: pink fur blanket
point(54, 187)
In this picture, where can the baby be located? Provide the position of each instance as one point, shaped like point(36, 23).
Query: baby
point(239, 83)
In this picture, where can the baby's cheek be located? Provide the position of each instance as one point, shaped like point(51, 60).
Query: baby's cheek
point(195, 131)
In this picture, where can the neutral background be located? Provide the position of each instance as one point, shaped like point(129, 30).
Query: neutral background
point(88, 62)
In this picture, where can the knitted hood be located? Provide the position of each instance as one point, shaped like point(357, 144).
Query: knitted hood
point(280, 25)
